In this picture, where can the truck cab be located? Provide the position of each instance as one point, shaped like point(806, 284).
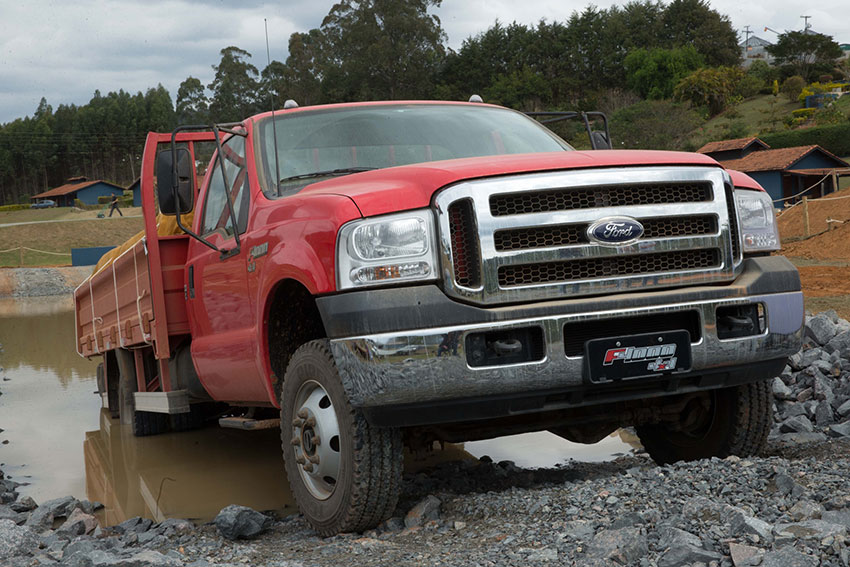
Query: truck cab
point(396, 273)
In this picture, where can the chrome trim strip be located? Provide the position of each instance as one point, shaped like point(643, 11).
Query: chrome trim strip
point(490, 292)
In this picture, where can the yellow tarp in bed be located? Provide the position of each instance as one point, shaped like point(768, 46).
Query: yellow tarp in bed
point(166, 225)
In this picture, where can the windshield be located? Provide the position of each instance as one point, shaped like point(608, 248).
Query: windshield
point(338, 141)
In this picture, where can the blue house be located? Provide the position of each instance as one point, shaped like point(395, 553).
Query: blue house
point(786, 174)
point(79, 188)
point(136, 188)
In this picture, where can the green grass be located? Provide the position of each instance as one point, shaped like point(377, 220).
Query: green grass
point(752, 117)
point(58, 213)
point(60, 237)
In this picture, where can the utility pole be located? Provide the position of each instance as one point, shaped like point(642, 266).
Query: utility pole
point(747, 36)
point(806, 23)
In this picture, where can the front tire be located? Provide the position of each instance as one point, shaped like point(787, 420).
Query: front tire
point(718, 423)
point(345, 475)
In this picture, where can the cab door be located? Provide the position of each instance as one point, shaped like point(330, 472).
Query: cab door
point(219, 301)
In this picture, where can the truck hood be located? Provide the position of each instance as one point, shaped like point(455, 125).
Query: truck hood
point(411, 187)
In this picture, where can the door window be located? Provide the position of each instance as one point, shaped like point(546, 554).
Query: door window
point(216, 212)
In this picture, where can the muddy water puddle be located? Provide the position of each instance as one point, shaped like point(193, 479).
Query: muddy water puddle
point(57, 439)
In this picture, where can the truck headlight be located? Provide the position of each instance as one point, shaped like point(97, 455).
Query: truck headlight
point(758, 221)
point(389, 249)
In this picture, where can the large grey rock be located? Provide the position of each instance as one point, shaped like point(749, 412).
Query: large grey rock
point(840, 343)
point(843, 410)
point(823, 414)
point(840, 429)
point(805, 510)
point(788, 557)
point(100, 558)
point(780, 390)
point(837, 517)
point(821, 328)
point(705, 510)
point(427, 510)
point(621, 547)
point(7, 513)
point(744, 555)
point(742, 524)
point(176, 526)
point(42, 518)
point(78, 523)
point(796, 424)
point(687, 554)
point(674, 537)
point(134, 525)
point(16, 540)
point(241, 522)
point(810, 530)
point(24, 504)
point(580, 529)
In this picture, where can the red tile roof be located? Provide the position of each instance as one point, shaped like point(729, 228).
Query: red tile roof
point(69, 188)
point(726, 145)
point(773, 160)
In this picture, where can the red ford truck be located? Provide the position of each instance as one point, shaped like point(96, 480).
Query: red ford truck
point(397, 273)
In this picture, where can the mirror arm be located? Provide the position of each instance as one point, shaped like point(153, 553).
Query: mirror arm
point(175, 183)
point(235, 250)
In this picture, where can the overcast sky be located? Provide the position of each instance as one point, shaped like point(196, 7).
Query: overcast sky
point(65, 49)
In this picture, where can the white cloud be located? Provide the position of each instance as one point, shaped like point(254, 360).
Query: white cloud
point(65, 50)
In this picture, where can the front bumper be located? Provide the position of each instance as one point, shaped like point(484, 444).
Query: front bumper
point(386, 344)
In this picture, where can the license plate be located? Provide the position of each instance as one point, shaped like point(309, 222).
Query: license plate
point(637, 356)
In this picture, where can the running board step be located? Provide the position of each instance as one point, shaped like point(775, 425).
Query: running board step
point(248, 424)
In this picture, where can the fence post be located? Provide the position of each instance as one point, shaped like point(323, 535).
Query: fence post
point(834, 182)
point(21, 248)
point(806, 231)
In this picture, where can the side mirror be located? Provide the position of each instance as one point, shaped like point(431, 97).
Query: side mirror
point(165, 182)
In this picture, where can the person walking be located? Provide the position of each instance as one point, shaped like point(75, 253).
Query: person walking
point(113, 206)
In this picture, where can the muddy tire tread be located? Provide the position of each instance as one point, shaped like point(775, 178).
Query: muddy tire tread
point(749, 427)
point(376, 462)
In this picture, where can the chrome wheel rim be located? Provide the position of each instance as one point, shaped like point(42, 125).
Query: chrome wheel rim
point(316, 440)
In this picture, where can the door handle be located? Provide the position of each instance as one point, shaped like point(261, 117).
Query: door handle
point(192, 282)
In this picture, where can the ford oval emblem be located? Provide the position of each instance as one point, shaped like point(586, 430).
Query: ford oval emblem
point(615, 231)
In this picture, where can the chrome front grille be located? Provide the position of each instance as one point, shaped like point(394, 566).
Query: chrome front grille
point(525, 237)
point(571, 198)
point(563, 235)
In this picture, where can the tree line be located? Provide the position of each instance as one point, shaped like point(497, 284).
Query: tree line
point(603, 59)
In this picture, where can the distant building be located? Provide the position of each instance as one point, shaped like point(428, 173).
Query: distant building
point(79, 188)
point(784, 172)
point(754, 49)
point(136, 188)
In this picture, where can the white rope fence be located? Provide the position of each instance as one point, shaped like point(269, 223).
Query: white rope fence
point(21, 250)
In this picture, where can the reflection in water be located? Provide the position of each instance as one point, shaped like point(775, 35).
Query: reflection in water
point(544, 449)
point(39, 333)
point(50, 412)
point(188, 475)
point(48, 400)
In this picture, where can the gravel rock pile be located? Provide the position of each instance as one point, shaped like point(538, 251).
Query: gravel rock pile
point(812, 395)
point(790, 507)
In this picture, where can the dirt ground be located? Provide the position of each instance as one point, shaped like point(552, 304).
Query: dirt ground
point(824, 258)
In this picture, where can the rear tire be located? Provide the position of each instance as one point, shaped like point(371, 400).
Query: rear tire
point(143, 423)
point(735, 421)
point(345, 475)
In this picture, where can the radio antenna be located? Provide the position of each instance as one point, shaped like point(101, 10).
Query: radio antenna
point(271, 102)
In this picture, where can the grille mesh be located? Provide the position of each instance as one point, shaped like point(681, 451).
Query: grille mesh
point(588, 268)
point(599, 196)
point(465, 252)
point(565, 235)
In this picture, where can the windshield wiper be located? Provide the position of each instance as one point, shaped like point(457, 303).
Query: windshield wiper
point(327, 173)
